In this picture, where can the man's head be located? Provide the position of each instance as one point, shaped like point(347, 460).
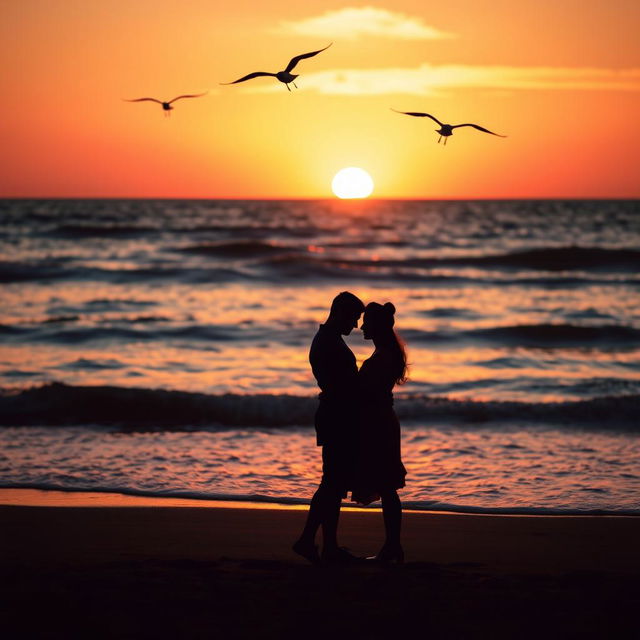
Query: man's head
point(346, 309)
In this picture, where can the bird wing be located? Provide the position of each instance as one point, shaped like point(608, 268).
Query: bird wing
point(255, 74)
point(418, 114)
point(294, 61)
point(144, 100)
point(189, 95)
point(478, 127)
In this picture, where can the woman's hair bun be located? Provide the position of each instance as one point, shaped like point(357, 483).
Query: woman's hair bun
point(389, 307)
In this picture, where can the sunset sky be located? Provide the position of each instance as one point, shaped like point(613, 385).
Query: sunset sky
point(560, 79)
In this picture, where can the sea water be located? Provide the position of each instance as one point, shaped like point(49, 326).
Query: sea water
point(161, 347)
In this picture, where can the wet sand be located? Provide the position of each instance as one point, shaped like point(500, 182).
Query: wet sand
point(227, 571)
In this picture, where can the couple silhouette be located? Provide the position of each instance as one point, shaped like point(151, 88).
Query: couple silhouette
point(357, 429)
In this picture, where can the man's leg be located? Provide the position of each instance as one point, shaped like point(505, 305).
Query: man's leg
point(392, 515)
point(322, 507)
point(324, 511)
point(332, 554)
point(305, 545)
point(314, 518)
point(331, 501)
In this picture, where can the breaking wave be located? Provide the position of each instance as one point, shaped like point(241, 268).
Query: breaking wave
point(133, 408)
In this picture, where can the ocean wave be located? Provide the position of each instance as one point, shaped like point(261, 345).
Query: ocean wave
point(88, 364)
point(235, 249)
point(67, 329)
point(558, 259)
point(101, 305)
point(46, 272)
point(131, 408)
point(543, 259)
point(250, 229)
point(437, 271)
point(245, 262)
point(61, 331)
point(523, 385)
point(116, 229)
point(25, 272)
point(559, 335)
point(100, 231)
point(534, 335)
point(451, 312)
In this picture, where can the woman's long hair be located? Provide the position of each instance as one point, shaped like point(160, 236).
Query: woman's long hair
point(382, 318)
point(403, 368)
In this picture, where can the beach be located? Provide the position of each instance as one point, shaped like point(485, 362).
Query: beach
point(133, 571)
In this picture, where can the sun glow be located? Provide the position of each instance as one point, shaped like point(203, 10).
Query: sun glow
point(352, 182)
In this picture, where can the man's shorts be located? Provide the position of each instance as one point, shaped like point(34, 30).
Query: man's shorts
point(338, 463)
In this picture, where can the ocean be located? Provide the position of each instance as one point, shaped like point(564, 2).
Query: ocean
point(159, 347)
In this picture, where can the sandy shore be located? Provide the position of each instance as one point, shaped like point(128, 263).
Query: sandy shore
point(197, 571)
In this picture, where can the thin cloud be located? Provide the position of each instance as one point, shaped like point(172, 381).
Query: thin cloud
point(357, 21)
point(431, 80)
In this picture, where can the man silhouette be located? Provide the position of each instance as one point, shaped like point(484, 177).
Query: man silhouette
point(334, 367)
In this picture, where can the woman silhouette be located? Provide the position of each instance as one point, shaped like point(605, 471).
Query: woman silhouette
point(380, 471)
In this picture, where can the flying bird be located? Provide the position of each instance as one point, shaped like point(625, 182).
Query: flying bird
point(166, 106)
point(284, 76)
point(446, 130)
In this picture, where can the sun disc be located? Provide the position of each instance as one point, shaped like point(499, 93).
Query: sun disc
point(352, 182)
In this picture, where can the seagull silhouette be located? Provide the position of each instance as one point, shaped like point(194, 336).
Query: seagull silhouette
point(284, 76)
point(166, 106)
point(446, 130)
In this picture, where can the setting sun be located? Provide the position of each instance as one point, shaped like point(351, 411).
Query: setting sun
point(352, 182)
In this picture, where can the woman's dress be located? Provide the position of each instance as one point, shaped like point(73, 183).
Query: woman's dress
point(379, 466)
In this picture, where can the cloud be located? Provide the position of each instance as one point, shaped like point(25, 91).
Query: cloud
point(353, 22)
point(432, 79)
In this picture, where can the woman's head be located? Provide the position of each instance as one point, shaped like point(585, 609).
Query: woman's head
point(377, 325)
point(378, 320)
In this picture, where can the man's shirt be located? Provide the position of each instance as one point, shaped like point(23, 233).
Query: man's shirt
point(335, 369)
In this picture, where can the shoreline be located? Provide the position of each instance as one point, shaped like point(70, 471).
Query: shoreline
point(65, 498)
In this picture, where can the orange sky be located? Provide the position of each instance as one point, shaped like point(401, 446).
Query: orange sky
point(561, 79)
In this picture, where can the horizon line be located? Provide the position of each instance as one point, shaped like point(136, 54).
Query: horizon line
point(322, 198)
